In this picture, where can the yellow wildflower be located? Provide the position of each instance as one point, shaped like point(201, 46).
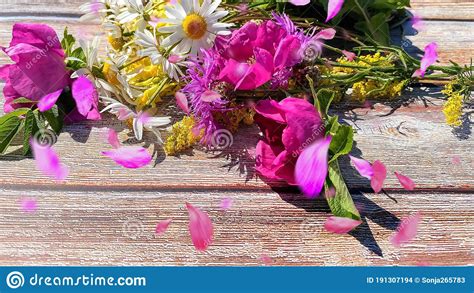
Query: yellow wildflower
point(452, 109)
point(116, 43)
point(232, 119)
point(110, 75)
point(181, 137)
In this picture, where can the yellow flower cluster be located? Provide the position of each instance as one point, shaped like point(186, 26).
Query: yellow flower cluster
point(231, 120)
point(373, 89)
point(368, 88)
point(452, 109)
point(182, 136)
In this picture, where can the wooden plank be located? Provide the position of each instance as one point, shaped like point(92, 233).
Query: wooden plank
point(117, 228)
point(444, 10)
point(428, 9)
point(414, 140)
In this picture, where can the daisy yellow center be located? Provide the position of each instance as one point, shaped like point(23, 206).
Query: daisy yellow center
point(194, 26)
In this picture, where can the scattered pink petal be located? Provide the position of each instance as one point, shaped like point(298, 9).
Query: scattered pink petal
point(124, 114)
point(380, 174)
point(312, 167)
point(363, 167)
point(266, 260)
point(407, 230)
point(28, 205)
point(226, 203)
point(300, 2)
point(423, 264)
point(339, 225)
point(456, 160)
point(47, 102)
point(162, 226)
point(112, 138)
point(200, 227)
point(182, 102)
point(330, 192)
point(210, 96)
point(428, 59)
point(349, 55)
point(133, 157)
point(334, 6)
point(47, 161)
point(405, 181)
point(325, 34)
point(417, 23)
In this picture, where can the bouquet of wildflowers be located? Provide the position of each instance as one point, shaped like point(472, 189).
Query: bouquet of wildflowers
point(218, 65)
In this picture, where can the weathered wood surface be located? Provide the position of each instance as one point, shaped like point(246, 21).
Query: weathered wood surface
point(105, 215)
point(97, 228)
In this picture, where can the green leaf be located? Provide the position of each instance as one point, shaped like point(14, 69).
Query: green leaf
point(55, 119)
point(8, 131)
point(332, 125)
point(23, 101)
point(15, 113)
point(31, 128)
point(341, 143)
point(324, 100)
point(341, 204)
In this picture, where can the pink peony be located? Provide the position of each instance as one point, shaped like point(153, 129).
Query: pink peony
point(255, 53)
point(288, 128)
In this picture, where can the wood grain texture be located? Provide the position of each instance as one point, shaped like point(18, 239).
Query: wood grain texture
point(429, 9)
point(117, 228)
point(106, 215)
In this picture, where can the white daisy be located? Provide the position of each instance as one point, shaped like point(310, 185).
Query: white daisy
point(141, 121)
point(135, 9)
point(169, 61)
point(193, 26)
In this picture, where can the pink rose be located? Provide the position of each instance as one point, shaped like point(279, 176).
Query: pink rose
point(39, 74)
point(39, 68)
point(288, 128)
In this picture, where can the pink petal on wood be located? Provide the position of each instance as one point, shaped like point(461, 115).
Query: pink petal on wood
point(85, 95)
point(182, 102)
point(47, 161)
point(47, 102)
point(112, 138)
point(429, 58)
point(334, 6)
point(339, 225)
point(133, 157)
point(363, 167)
point(312, 167)
point(162, 226)
point(28, 205)
point(405, 181)
point(380, 174)
point(407, 230)
point(200, 227)
point(226, 204)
